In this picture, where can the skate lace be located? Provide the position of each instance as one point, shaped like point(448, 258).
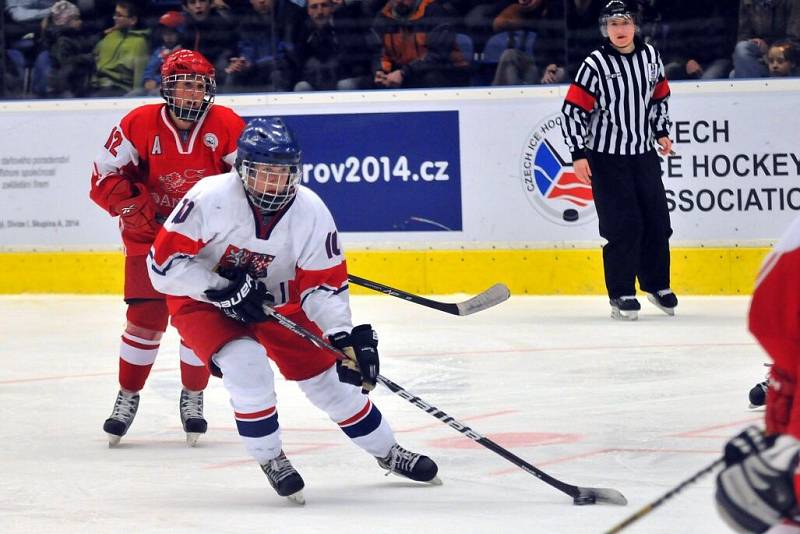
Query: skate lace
point(278, 468)
point(664, 292)
point(124, 407)
point(192, 405)
point(401, 460)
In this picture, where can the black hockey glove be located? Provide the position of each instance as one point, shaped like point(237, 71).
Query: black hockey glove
point(758, 492)
point(243, 299)
point(751, 440)
point(363, 365)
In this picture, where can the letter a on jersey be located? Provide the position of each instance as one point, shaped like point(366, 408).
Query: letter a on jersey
point(156, 146)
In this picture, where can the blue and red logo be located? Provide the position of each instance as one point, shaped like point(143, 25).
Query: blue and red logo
point(549, 182)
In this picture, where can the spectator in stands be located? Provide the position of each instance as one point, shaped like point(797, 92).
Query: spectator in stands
point(120, 56)
point(546, 65)
point(67, 62)
point(170, 26)
point(419, 48)
point(14, 70)
point(783, 58)
point(762, 22)
point(581, 21)
point(261, 62)
point(330, 54)
point(24, 19)
point(22, 30)
point(210, 33)
point(701, 35)
point(478, 17)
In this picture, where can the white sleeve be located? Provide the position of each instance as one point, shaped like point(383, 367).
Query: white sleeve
point(321, 275)
point(173, 262)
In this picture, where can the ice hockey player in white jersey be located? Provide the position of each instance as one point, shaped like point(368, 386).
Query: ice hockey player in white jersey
point(254, 236)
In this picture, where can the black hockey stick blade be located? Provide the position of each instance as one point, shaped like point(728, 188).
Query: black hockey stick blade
point(485, 299)
point(580, 495)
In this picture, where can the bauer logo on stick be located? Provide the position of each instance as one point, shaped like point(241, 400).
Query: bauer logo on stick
point(548, 181)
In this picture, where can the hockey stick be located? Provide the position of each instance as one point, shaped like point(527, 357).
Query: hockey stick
point(668, 495)
point(580, 495)
point(483, 300)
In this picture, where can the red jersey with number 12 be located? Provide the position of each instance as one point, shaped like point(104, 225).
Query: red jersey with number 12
point(146, 147)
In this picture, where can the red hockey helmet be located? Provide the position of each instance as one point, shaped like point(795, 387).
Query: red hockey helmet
point(181, 74)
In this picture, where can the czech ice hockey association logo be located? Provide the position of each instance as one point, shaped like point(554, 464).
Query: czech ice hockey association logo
point(549, 183)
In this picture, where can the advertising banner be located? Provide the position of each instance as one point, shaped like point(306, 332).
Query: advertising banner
point(472, 168)
point(384, 172)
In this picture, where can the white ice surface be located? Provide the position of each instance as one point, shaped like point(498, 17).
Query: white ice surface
point(638, 407)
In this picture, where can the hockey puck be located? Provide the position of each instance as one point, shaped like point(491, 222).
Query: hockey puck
point(570, 215)
point(581, 500)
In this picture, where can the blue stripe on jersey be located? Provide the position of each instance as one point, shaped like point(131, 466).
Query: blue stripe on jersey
point(168, 266)
point(366, 425)
point(324, 288)
point(258, 429)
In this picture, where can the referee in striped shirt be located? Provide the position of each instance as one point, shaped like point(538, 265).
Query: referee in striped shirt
point(615, 113)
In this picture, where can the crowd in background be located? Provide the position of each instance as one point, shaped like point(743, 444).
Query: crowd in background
point(88, 48)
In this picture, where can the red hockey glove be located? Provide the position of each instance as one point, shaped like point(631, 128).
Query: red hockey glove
point(136, 211)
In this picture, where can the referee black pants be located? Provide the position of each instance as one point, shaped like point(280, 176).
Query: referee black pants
point(634, 219)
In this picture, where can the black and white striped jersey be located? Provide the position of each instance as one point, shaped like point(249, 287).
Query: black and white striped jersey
point(617, 103)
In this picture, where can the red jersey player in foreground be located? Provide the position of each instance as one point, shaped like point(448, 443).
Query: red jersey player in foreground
point(759, 489)
point(153, 156)
point(255, 236)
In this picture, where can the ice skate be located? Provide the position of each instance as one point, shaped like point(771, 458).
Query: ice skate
point(758, 393)
point(191, 407)
point(665, 300)
point(410, 465)
point(625, 308)
point(117, 424)
point(284, 479)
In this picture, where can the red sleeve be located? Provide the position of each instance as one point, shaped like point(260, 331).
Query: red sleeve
point(662, 90)
point(774, 317)
point(580, 97)
point(114, 164)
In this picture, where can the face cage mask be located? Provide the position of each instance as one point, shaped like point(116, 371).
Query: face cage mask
point(180, 106)
point(604, 22)
point(269, 202)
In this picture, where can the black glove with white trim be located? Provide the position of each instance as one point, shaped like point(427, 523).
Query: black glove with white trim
point(363, 365)
point(757, 491)
point(243, 299)
point(751, 440)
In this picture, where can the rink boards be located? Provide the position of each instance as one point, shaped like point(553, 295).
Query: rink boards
point(436, 191)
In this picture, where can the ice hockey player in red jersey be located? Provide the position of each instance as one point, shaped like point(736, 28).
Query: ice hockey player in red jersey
point(255, 236)
point(759, 489)
point(151, 159)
